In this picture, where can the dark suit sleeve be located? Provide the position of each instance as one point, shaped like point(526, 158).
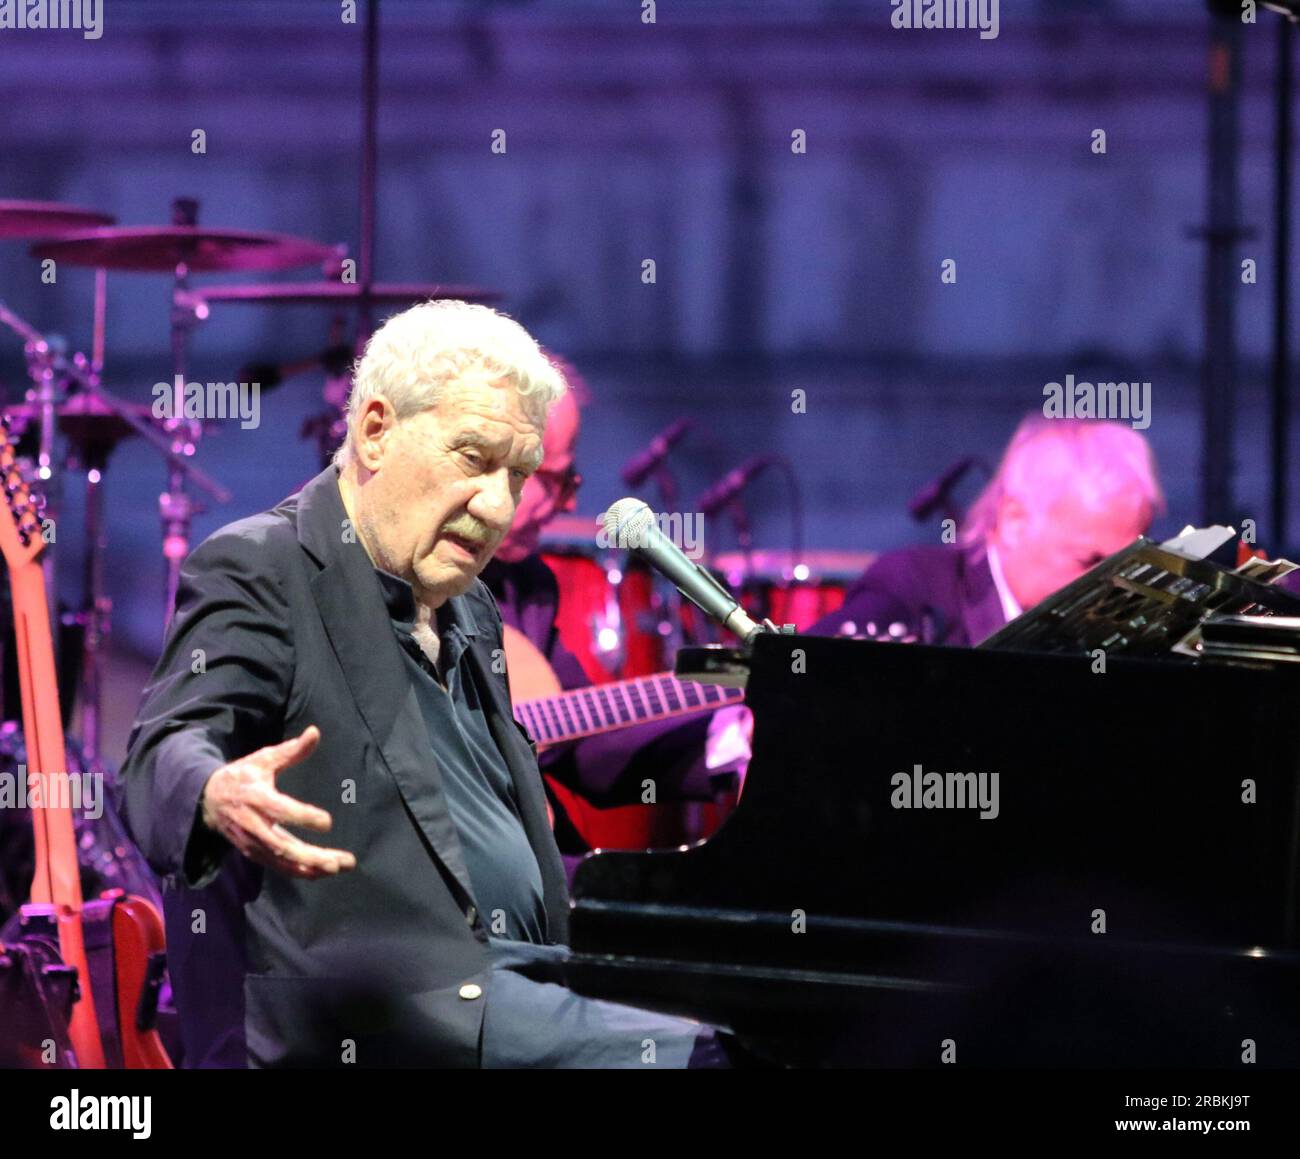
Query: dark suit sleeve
point(218, 693)
point(876, 597)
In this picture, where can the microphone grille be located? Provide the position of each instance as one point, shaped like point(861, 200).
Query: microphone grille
point(626, 518)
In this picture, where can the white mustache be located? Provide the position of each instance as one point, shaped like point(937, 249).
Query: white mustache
point(475, 535)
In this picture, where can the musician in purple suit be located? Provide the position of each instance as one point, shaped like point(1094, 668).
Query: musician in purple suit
point(1067, 493)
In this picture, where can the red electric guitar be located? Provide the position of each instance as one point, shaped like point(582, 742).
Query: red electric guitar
point(120, 975)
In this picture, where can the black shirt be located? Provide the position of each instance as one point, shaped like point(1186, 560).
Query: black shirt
point(480, 791)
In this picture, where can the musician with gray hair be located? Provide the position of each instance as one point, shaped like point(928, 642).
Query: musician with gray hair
point(326, 756)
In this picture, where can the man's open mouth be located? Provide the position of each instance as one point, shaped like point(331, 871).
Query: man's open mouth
point(471, 547)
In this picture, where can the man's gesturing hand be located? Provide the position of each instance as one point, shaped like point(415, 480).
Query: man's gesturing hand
point(241, 802)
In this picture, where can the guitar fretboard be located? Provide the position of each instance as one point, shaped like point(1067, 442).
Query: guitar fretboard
point(604, 707)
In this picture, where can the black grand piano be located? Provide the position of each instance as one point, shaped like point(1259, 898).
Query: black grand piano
point(1116, 884)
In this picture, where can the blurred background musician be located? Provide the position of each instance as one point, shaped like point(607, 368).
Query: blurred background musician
point(1067, 493)
point(610, 769)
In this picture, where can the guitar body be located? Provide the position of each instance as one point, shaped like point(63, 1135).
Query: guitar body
point(529, 673)
point(56, 885)
point(125, 948)
point(531, 679)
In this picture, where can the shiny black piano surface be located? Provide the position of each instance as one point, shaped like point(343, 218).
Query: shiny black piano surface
point(827, 927)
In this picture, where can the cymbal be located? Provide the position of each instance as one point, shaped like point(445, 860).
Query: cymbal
point(46, 218)
point(309, 293)
point(83, 418)
point(161, 248)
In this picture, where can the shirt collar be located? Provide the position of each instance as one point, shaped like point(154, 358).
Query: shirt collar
point(1010, 605)
point(400, 602)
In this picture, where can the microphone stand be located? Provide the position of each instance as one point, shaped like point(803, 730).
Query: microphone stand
point(743, 526)
point(672, 636)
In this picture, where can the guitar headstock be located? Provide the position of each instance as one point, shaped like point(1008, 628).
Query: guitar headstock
point(20, 523)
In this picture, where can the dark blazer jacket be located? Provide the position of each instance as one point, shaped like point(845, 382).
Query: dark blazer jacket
point(944, 595)
point(280, 623)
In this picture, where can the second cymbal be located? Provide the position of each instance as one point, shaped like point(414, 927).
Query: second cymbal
point(46, 219)
point(326, 292)
point(161, 248)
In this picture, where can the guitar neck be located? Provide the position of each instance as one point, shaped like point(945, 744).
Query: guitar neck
point(57, 880)
point(56, 885)
point(601, 708)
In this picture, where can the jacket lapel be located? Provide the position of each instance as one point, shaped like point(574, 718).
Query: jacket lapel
point(352, 609)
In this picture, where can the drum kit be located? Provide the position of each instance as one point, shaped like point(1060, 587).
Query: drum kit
point(68, 421)
point(620, 620)
point(792, 588)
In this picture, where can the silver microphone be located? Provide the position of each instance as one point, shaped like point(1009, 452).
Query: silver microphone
point(631, 524)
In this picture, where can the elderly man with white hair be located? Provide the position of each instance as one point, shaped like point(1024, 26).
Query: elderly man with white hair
point(1067, 493)
point(326, 764)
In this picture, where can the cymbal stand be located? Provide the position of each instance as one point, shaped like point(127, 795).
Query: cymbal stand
point(667, 599)
point(175, 507)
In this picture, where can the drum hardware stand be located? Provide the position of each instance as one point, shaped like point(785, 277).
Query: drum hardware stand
point(744, 529)
point(175, 507)
point(95, 618)
point(1221, 234)
point(59, 378)
point(329, 426)
point(98, 606)
point(338, 380)
point(1280, 371)
point(668, 600)
point(98, 331)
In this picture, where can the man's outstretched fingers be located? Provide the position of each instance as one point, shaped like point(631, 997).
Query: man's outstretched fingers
point(278, 845)
point(290, 752)
point(290, 811)
point(313, 856)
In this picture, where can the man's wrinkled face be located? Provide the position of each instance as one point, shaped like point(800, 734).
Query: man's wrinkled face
point(1040, 552)
point(551, 489)
point(444, 484)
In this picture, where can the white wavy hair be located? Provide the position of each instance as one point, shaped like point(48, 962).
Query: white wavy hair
point(1097, 459)
point(414, 355)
